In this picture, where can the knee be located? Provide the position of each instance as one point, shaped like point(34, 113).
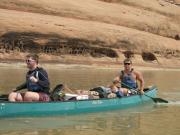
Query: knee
point(31, 96)
point(126, 92)
point(14, 96)
point(11, 96)
point(27, 96)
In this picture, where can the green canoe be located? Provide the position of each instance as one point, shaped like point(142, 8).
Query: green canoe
point(14, 109)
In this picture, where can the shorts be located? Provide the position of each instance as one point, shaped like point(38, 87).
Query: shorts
point(43, 96)
point(119, 94)
point(132, 92)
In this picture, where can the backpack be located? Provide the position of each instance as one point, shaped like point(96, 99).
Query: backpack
point(57, 94)
point(101, 91)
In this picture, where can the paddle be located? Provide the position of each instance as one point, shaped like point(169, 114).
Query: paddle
point(4, 97)
point(57, 88)
point(156, 100)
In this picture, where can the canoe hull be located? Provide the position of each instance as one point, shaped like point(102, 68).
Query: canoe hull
point(14, 109)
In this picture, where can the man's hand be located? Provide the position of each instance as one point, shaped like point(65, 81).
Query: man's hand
point(141, 92)
point(14, 90)
point(33, 79)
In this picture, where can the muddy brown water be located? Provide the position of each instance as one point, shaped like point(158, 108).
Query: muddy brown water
point(156, 119)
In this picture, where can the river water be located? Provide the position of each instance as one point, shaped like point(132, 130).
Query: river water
point(149, 119)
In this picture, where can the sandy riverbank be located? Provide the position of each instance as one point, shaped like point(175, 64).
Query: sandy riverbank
point(95, 33)
point(57, 65)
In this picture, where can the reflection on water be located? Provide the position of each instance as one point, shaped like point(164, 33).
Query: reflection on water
point(160, 119)
point(115, 122)
point(170, 103)
point(155, 120)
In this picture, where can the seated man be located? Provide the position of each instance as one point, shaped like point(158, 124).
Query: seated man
point(130, 78)
point(36, 83)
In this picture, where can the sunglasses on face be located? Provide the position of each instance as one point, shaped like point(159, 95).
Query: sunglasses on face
point(29, 61)
point(127, 63)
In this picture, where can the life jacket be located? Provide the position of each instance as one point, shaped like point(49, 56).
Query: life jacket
point(128, 80)
point(31, 86)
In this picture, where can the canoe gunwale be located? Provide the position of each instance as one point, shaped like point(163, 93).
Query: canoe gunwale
point(26, 109)
point(146, 91)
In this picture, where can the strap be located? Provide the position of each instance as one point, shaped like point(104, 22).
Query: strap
point(122, 73)
point(41, 71)
point(37, 75)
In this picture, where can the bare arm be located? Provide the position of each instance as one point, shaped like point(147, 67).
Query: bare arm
point(20, 87)
point(140, 78)
point(117, 78)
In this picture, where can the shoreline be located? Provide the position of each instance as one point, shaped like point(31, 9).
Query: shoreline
point(67, 61)
point(58, 65)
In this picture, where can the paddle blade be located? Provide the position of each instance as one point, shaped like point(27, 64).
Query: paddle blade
point(159, 100)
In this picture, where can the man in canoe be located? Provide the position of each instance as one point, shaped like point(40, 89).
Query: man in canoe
point(37, 83)
point(129, 78)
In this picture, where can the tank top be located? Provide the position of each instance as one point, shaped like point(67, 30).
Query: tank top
point(128, 80)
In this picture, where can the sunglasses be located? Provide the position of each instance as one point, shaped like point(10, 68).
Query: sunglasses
point(127, 63)
point(29, 61)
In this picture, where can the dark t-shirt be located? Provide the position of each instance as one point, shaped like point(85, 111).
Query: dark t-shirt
point(43, 83)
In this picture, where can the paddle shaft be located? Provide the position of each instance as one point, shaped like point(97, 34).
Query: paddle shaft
point(3, 97)
point(154, 99)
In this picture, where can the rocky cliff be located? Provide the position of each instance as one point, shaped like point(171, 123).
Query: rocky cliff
point(91, 31)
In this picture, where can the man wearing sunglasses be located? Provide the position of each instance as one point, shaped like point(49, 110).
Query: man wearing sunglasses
point(37, 83)
point(130, 78)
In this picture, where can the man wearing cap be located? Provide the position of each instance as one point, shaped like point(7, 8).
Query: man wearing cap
point(130, 78)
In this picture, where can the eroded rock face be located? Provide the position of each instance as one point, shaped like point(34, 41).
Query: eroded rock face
point(59, 46)
point(54, 44)
point(100, 30)
point(173, 1)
